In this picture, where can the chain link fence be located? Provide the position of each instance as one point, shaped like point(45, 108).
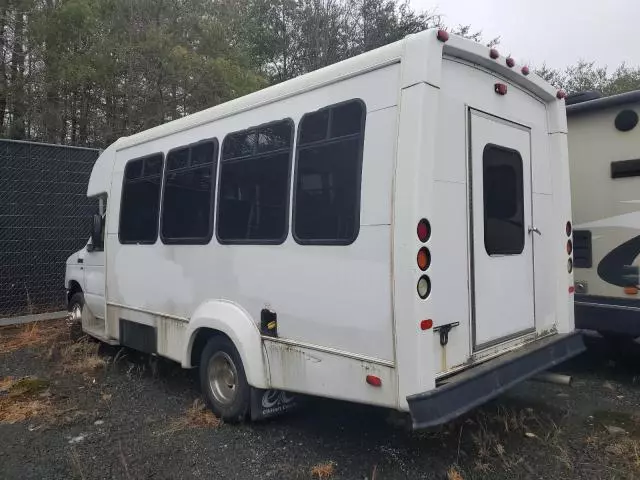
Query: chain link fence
point(44, 217)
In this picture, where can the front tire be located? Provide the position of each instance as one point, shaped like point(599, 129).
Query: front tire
point(76, 304)
point(223, 381)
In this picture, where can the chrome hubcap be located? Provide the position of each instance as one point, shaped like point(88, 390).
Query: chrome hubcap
point(223, 378)
point(76, 313)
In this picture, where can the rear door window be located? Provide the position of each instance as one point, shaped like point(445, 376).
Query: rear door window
point(503, 201)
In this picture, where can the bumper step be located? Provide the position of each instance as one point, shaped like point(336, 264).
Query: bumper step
point(477, 385)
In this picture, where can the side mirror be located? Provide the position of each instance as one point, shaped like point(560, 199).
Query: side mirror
point(96, 232)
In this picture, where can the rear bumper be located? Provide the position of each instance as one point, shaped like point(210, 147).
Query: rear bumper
point(608, 314)
point(475, 386)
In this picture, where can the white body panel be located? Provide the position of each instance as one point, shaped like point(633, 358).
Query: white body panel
point(94, 282)
point(348, 311)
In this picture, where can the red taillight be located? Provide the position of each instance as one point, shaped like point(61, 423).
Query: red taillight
point(510, 62)
point(569, 247)
point(374, 381)
point(424, 230)
point(443, 35)
point(525, 70)
point(500, 88)
point(561, 94)
point(569, 229)
point(493, 53)
point(426, 324)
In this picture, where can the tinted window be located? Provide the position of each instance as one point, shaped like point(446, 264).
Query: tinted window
point(188, 194)
point(503, 201)
point(140, 202)
point(254, 185)
point(328, 171)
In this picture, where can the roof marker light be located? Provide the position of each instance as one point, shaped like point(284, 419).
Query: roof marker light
point(493, 53)
point(525, 70)
point(510, 62)
point(561, 94)
point(443, 35)
point(500, 88)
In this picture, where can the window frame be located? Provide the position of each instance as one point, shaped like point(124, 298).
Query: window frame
point(328, 141)
point(124, 179)
point(212, 198)
point(287, 205)
point(520, 200)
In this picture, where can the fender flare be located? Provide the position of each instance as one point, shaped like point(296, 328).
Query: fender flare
point(236, 323)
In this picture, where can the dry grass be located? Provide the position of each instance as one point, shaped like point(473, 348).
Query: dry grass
point(323, 471)
point(31, 335)
point(82, 357)
point(454, 474)
point(21, 399)
point(196, 416)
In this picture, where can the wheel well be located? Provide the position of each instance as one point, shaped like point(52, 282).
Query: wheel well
point(202, 336)
point(74, 287)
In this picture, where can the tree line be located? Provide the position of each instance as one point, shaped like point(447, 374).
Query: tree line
point(85, 72)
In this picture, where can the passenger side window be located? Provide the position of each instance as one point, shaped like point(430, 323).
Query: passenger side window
point(140, 202)
point(503, 201)
point(328, 175)
point(254, 184)
point(187, 201)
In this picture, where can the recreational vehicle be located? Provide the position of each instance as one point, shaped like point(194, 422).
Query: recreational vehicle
point(604, 157)
point(391, 230)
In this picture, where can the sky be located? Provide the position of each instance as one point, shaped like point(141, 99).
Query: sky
point(555, 32)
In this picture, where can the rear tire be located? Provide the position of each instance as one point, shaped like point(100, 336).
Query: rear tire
point(223, 381)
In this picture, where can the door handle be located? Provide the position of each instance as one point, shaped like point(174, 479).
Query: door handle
point(533, 229)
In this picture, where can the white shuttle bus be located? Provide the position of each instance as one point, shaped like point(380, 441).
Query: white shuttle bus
point(390, 230)
point(604, 155)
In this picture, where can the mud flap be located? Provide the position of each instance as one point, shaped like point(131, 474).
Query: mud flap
point(271, 403)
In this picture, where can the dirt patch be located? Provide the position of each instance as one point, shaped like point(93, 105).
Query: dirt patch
point(24, 398)
point(102, 409)
point(31, 335)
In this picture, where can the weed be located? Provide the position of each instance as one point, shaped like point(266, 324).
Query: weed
point(82, 357)
point(454, 474)
point(196, 416)
point(323, 471)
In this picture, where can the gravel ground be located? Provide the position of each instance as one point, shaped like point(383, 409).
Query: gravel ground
point(133, 418)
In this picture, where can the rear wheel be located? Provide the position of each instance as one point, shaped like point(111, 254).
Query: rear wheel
point(223, 380)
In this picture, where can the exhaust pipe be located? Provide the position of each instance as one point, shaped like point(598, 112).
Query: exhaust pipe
point(555, 378)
